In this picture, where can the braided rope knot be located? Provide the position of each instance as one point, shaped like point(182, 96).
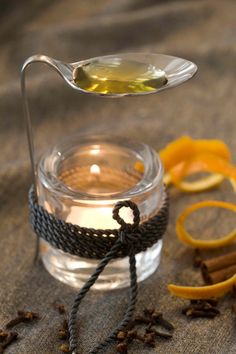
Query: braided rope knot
point(128, 233)
point(96, 243)
point(105, 245)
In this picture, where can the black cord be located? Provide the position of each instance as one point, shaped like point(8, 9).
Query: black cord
point(106, 245)
point(126, 239)
point(94, 243)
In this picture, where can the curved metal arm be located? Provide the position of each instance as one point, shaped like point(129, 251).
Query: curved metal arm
point(65, 71)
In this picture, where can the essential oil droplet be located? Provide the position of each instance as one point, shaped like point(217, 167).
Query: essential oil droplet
point(119, 76)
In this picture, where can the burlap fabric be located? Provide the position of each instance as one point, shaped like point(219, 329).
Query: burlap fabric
point(202, 31)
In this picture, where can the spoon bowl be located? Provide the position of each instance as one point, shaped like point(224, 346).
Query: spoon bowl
point(127, 74)
point(160, 71)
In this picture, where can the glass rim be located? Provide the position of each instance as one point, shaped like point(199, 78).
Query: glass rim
point(153, 171)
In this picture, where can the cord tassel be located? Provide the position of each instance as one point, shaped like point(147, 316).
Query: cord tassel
point(126, 238)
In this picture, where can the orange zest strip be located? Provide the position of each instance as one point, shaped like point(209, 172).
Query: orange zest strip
point(214, 146)
point(176, 152)
point(185, 148)
point(203, 292)
point(202, 163)
point(185, 237)
point(202, 184)
point(139, 166)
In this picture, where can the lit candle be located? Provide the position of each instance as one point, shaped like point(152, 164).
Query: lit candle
point(80, 181)
point(97, 214)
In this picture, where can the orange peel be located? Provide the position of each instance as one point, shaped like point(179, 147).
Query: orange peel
point(219, 168)
point(203, 163)
point(203, 292)
point(185, 148)
point(200, 185)
point(139, 166)
point(203, 184)
point(183, 157)
point(185, 237)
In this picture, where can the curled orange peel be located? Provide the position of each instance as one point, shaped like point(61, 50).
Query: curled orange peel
point(185, 148)
point(185, 156)
point(202, 184)
point(203, 292)
point(214, 146)
point(218, 167)
point(204, 163)
point(185, 237)
point(209, 182)
point(181, 158)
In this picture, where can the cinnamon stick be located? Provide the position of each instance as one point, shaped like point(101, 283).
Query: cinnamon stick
point(219, 275)
point(217, 263)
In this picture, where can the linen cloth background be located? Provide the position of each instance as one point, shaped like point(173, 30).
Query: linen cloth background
point(202, 31)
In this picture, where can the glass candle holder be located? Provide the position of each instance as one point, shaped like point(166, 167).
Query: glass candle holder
point(80, 181)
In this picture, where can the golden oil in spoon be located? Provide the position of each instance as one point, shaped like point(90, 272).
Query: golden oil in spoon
point(119, 76)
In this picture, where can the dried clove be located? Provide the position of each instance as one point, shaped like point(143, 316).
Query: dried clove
point(131, 325)
point(122, 347)
point(155, 317)
point(121, 335)
point(64, 348)
point(159, 334)
point(149, 339)
point(201, 308)
point(3, 335)
point(12, 337)
point(196, 313)
point(22, 316)
point(148, 312)
point(12, 323)
point(158, 319)
point(127, 336)
point(131, 335)
point(142, 320)
point(212, 302)
point(150, 318)
point(29, 315)
point(60, 308)
point(63, 332)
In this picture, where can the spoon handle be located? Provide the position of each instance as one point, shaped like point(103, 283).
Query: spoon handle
point(65, 71)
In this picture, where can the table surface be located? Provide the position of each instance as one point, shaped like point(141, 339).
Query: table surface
point(202, 31)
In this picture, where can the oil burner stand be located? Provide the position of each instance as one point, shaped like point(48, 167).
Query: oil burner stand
point(101, 244)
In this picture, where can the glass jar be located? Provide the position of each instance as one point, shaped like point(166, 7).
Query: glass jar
point(80, 181)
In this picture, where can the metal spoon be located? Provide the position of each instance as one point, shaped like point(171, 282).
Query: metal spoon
point(176, 71)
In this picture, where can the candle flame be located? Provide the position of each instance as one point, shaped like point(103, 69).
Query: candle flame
point(95, 169)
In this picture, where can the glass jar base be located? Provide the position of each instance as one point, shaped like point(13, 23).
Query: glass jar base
point(75, 271)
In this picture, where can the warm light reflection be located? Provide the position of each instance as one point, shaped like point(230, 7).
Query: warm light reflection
point(95, 151)
point(97, 218)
